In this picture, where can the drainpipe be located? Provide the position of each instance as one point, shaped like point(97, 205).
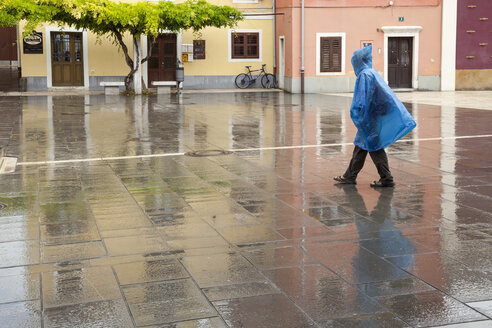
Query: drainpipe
point(274, 40)
point(302, 47)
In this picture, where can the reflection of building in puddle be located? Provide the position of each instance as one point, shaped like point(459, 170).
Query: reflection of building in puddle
point(408, 147)
point(246, 133)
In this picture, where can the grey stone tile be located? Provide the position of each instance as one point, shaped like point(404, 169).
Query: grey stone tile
point(19, 205)
point(249, 234)
point(15, 288)
point(215, 322)
point(221, 269)
point(19, 228)
point(166, 302)
point(322, 294)
point(457, 279)
point(197, 243)
point(404, 286)
point(474, 324)
point(123, 221)
point(135, 244)
point(94, 314)
point(188, 230)
point(15, 253)
point(68, 252)
point(429, 308)
point(271, 258)
point(240, 290)
point(157, 270)
point(354, 263)
point(380, 320)
point(69, 232)
point(484, 307)
point(79, 286)
point(66, 211)
point(269, 311)
point(227, 220)
point(21, 314)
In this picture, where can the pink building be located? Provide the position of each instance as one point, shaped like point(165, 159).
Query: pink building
point(474, 45)
point(315, 40)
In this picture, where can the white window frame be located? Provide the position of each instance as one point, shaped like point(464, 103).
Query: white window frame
point(85, 56)
point(403, 31)
point(245, 60)
point(318, 49)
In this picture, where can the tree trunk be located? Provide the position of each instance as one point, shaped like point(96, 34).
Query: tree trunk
point(137, 68)
point(129, 62)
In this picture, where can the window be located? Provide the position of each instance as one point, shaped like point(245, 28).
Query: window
point(245, 45)
point(198, 49)
point(331, 54)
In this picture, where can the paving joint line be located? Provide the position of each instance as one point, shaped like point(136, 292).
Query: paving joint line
point(96, 159)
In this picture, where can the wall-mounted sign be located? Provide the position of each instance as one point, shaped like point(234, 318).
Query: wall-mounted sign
point(401, 19)
point(366, 43)
point(33, 44)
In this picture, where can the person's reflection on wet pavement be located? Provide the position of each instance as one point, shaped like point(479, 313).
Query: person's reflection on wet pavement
point(378, 234)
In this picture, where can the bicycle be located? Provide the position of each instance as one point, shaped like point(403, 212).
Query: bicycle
point(244, 80)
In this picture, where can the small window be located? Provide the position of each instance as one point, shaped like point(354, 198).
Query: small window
point(245, 45)
point(198, 49)
point(330, 54)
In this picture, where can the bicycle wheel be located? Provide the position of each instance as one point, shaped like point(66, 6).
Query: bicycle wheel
point(242, 81)
point(268, 81)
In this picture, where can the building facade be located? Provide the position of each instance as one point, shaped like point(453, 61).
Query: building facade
point(474, 45)
point(315, 41)
point(55, 57)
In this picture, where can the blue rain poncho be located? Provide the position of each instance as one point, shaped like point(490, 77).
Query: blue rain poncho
point(380, 118)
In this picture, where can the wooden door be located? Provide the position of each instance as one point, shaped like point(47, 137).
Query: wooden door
point(8, 43)
point(67, 65)
point(400, 62)
point(162, 60)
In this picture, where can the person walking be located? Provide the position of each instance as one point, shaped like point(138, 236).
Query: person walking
point(380, 117)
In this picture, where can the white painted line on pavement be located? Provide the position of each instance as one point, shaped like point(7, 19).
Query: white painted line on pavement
point(350, 143)
point(80, 160)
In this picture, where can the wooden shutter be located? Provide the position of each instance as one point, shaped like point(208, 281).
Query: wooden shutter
point(198, 49)
point(331, 54)
point(245, 45)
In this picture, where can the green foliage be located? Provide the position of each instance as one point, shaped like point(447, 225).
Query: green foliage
point(106, 17)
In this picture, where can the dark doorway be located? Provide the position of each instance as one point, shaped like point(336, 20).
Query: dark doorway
point(9, 72)
point(162, 60)
point(67, 65)
point(400, 62)
point(8, 44)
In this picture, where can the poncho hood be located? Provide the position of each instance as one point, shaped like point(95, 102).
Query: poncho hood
point(362, 59)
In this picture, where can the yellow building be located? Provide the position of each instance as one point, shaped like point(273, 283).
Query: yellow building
point(70, 58)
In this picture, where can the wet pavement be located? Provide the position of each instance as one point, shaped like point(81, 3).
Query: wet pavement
point(107, 222)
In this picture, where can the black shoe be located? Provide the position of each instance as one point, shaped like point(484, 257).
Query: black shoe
point(342, 180)
point(379, 184)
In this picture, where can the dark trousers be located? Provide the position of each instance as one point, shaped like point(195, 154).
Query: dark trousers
point(378, 157)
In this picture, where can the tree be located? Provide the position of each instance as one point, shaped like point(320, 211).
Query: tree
point(105, 17)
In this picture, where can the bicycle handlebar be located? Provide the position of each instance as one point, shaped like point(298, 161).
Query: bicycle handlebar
point(262, 66)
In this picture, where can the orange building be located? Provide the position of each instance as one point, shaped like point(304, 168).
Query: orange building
point(315, 41)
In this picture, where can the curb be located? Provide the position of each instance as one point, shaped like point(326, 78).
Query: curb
point(2, 153)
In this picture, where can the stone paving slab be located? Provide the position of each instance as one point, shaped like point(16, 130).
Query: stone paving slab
point(107, 223)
